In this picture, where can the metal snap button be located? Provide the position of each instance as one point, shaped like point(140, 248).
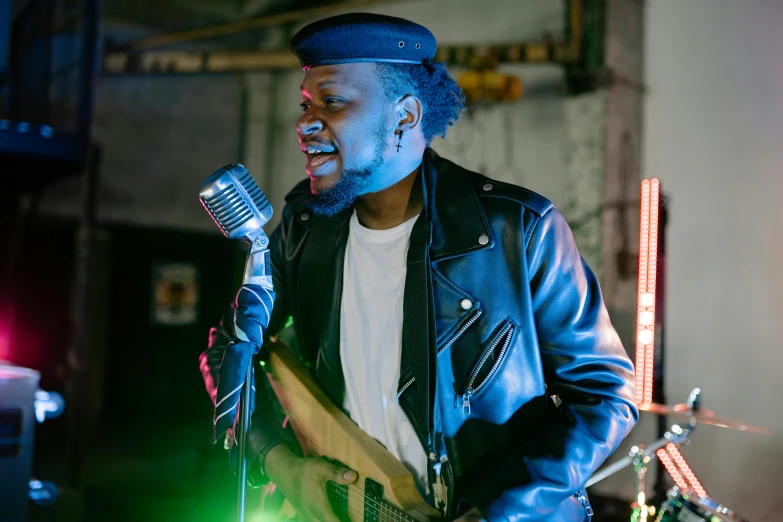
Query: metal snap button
point(305, 216)
point(483, 239)
point(487, 187)
point(466, 304)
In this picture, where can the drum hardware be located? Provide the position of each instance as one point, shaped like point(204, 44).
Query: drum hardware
point(639, 457)
point(679, 506)
point(694, 412)
point(684, 505)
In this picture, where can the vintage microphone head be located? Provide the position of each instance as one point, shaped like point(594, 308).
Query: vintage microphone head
point(236, 204)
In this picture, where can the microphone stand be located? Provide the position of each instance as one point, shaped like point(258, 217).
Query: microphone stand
point(243, 425)
point(239, 208)
point(257, 270)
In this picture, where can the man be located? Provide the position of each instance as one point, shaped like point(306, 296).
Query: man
point(442, 310)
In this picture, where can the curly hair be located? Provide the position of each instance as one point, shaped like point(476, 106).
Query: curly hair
point(442, 100)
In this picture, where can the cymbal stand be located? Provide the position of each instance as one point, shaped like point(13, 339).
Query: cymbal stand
point(639, 457)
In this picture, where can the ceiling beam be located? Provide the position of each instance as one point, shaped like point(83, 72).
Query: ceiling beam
point(564, 52)
point(246, 25)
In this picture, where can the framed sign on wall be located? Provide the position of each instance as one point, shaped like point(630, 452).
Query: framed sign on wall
point(175, 294)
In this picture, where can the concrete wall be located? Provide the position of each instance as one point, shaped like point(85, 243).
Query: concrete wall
point(714, 136)
point(161, 137)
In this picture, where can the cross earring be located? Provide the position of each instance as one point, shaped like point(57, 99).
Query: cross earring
point(398, 133)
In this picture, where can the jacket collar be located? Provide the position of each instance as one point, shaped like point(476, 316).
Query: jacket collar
point(458, 222)
point(452, 205)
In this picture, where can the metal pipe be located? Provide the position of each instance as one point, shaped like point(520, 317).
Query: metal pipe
point(90, 65)
point(243, 425)
point(563, 51)
point(626, 461)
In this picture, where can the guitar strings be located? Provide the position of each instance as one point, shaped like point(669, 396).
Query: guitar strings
point(356, 513)
point(359, 495)
point(360, 513)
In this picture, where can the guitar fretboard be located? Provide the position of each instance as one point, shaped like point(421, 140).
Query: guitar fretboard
point(351, 504)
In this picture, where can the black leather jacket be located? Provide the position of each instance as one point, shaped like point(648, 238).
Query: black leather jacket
point(498, 299)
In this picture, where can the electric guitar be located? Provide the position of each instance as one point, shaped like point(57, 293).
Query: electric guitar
point(384, 490)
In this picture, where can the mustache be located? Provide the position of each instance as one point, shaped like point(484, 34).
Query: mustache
point(313, 141)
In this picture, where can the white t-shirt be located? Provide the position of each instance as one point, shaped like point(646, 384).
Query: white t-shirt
point(371, 339)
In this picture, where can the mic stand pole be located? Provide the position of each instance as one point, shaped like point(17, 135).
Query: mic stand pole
point(243, 426)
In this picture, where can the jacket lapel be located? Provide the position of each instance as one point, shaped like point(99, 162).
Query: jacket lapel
point(452, 225)
point(320, 288)
point(459, 223)
point(416, 346)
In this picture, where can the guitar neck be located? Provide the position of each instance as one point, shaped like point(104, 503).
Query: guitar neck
point(350, 503)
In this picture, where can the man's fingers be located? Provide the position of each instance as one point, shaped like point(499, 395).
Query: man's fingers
point(343, 475)
point(337, 474)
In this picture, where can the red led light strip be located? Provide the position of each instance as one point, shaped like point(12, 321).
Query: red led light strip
point(671, 468)
point(645, 314)
point(685, 469)
point(679, 470)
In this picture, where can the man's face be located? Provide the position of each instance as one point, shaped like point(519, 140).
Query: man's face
point(345, 131)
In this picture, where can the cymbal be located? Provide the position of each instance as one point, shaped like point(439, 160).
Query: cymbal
point(702, 416)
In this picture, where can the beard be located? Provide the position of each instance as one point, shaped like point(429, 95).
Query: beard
point(351, 184)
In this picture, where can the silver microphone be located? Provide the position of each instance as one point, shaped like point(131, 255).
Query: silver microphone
point(236, 204)
point(240, 210)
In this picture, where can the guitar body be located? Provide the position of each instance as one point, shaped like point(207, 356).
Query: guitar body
point(384, 490)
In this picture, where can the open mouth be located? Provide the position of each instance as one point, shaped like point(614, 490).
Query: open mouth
point(316, 159)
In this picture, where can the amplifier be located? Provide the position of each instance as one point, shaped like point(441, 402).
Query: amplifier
point(18, 387)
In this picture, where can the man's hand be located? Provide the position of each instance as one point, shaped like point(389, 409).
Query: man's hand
point(302, 481)
point(474, 515)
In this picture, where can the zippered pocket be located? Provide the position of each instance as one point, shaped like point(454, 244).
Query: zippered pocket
point(488, 365)
point(472, 318)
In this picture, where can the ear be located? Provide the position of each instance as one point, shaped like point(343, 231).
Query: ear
point(408, 111)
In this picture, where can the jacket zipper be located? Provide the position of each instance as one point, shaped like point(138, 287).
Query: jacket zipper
point(440, 488)
point(399, 394)
point(470, 390)
point(465, 326)
point(585, 504)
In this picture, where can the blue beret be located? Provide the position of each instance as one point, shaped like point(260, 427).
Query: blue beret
point(363, 37)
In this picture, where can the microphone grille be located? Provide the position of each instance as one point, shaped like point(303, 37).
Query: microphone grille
point(235, 201)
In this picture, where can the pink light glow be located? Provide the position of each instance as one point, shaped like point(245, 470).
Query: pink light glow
point(5, 342)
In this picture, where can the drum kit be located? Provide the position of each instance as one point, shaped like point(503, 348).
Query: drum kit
point(681, 505)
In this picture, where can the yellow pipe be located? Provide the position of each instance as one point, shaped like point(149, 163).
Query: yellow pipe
point(557, 51)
